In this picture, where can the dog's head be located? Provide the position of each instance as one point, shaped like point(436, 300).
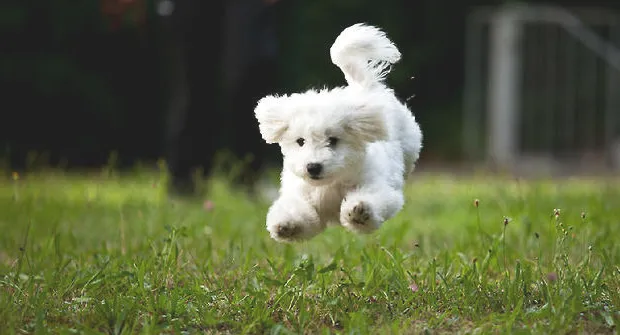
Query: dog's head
point(322, 135)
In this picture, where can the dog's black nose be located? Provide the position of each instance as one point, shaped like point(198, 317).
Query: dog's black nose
point(314, 169)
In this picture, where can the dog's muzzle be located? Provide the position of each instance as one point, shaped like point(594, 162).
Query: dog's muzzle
point(314, 170)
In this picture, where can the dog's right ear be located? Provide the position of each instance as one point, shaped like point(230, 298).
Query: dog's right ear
point(272, 119)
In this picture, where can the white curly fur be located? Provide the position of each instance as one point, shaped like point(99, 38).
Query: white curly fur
point(362, 141)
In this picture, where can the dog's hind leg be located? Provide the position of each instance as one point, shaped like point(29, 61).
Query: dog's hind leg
point(364, 210)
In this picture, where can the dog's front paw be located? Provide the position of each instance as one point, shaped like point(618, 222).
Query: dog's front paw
point(358, 217)
point(292, 223)
point(360, 214)
point(286, 231)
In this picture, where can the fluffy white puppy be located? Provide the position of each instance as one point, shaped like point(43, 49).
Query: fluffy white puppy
point(347, 151)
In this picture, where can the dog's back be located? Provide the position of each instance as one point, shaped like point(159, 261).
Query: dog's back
point(365, 55)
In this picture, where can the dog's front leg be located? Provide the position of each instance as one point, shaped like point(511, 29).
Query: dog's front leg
point(291, 218)
point(364, 210)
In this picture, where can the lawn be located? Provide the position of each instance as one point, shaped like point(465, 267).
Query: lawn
point(113, 254)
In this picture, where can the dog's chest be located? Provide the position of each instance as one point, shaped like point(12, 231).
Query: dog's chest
point(327, 201)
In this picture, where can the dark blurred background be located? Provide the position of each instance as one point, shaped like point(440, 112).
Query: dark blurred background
point(80, 80)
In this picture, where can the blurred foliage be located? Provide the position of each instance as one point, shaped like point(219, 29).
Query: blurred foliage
point(72, 84)
point(84, 77)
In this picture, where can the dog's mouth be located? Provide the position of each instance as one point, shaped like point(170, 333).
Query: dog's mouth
point(318, 180)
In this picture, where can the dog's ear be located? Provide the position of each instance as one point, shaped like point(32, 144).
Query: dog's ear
point(367, 124)
point(272, 118)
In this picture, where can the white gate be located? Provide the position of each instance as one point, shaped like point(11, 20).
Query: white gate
point(542, 82)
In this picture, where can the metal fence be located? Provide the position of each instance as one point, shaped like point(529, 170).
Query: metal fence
point(542, 84)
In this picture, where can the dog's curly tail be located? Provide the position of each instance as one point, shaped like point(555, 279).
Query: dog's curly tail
point(364, 54)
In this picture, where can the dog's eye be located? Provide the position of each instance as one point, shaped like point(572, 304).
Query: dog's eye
point(332, 141)
point(301, 142)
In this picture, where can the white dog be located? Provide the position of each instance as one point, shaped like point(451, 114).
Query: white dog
point(347, 151)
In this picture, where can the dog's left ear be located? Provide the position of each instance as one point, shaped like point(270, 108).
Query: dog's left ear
point(272, 118)
point(367, 123)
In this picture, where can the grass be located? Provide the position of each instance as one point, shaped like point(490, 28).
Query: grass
point(111, 254)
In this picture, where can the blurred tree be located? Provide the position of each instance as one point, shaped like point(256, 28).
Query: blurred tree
point(118, 11)
point(82, 79)
point(68, 82)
